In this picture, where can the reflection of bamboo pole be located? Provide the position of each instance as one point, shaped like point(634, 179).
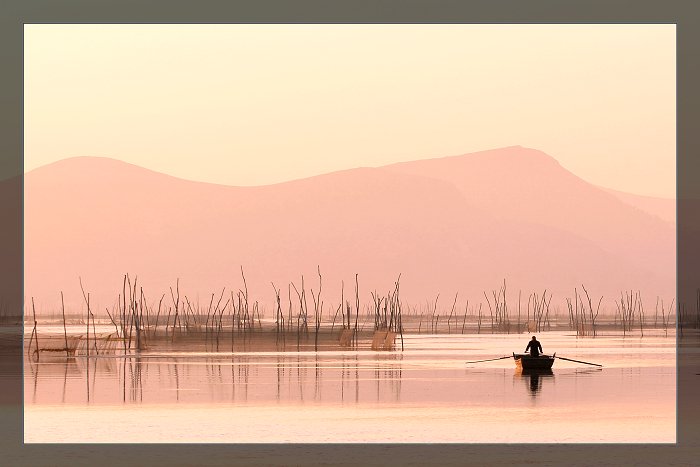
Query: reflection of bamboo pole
point(87, 368)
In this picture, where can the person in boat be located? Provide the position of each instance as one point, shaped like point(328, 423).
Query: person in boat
point(534, 347)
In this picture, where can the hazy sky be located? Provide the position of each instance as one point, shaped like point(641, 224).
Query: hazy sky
point(259, 104)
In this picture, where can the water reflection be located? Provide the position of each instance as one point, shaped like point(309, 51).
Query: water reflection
point(533, 378)
point(283, 378)
point(421, 395)
point(415, 377)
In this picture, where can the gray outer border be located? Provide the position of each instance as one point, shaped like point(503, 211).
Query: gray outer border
point(15, 13)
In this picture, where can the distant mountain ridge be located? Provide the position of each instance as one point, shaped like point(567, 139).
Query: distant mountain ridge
point(664, 208)
point(455, 224)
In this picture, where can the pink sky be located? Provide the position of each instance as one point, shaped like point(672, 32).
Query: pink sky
point(261, 104)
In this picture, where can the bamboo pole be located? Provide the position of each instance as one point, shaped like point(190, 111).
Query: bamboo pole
point(357, 307)
point(65, 333)
point(466, 310)
point(87, 324)
point(449, 329)
point(123, 318)
point(35, 332)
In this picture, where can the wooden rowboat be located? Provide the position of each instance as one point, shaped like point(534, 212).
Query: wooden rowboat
point(528, 362)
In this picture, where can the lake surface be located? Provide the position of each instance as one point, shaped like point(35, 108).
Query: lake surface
point(424, 394)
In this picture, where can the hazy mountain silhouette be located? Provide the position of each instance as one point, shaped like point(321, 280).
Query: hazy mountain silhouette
point(526, 185)
point(664, 208)
point(460, 223)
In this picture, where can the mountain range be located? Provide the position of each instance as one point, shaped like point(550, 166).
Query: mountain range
point(459, 224)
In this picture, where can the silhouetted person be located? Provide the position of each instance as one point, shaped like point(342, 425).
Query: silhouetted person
point(534, 347)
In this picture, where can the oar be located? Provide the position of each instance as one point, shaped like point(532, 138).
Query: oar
point(490, 359)
point(579, 361)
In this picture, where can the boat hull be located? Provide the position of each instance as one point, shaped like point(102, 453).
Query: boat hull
point(528, 362)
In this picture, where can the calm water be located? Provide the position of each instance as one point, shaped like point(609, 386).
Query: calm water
point(424, 394)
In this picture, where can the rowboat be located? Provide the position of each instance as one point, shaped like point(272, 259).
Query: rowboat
point(528, 362)
point(536, 373)
point(524, 361)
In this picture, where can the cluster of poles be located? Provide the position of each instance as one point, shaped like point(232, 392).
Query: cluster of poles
point(137, 321)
